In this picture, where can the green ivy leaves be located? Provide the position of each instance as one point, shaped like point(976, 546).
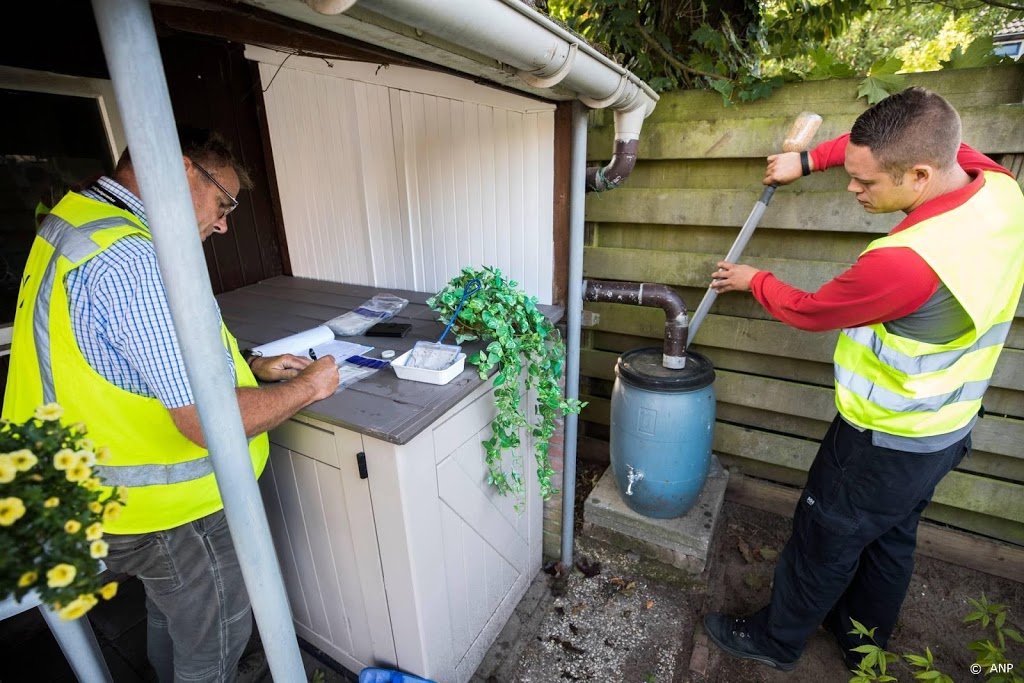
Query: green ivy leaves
point(518, 337)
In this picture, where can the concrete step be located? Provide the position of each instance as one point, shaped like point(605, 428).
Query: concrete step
point(683, 542)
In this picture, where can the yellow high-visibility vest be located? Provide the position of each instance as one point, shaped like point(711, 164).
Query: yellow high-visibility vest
point(911, 388)
point(169, 479)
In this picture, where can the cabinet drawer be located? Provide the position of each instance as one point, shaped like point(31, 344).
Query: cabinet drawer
point(311, 441)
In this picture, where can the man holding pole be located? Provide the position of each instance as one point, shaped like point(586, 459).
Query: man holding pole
point(924, 313)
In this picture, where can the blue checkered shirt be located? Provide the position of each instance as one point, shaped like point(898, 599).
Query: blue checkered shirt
point(120, 316)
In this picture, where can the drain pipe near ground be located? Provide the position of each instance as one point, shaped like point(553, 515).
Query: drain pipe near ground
point(133, 58)
point(577, 193)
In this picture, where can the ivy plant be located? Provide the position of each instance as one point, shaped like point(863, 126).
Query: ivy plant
point(518, 337)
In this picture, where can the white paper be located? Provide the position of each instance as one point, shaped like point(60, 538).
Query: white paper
point(339, 349)
point(320, 340)
point(297, 344)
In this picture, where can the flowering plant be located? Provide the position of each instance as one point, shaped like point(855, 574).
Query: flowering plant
point(52, 510)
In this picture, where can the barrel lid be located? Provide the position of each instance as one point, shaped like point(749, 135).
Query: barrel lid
point(642, 368)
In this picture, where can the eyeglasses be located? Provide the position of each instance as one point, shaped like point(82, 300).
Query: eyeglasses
point(225, 210)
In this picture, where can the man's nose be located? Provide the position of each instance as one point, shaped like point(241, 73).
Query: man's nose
point(221, 225)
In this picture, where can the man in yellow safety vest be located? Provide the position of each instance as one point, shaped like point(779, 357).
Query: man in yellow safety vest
point(93, 333)
point(923, 314)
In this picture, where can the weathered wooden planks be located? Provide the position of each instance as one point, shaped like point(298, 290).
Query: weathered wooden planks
point(699, 174)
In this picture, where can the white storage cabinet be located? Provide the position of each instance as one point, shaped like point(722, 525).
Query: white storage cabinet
point(412, 563)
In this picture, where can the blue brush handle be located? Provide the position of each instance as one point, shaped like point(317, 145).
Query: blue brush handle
point(471, 288)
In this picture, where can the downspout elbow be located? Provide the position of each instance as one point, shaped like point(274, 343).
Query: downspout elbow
point(611, 176)
point(677, 325)
point(628, 123)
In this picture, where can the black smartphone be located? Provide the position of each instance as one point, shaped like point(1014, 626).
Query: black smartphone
point(389, 330)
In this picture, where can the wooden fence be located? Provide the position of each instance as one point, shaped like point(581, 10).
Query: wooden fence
point(699, 174)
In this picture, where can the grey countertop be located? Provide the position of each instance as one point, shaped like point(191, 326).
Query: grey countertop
point(381, 406)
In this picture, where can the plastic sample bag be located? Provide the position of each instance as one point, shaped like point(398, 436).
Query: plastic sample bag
point(378, 309)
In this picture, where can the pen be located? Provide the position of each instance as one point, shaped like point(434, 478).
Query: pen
point(312, 354)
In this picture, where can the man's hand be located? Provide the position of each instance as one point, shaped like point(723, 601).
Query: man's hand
point(322, 377)
point(263, 408)
point(783, 169)
point(274, 368)
point(731, 277)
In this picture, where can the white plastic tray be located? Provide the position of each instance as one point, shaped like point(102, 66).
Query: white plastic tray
point(428, 376)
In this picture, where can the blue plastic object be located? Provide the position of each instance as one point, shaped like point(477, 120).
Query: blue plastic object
point(374, 675)
point(662, 423)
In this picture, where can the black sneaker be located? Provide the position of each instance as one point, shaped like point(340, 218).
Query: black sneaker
point(733, 636)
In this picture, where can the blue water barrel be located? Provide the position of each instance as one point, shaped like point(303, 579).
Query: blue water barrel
point(662, 423)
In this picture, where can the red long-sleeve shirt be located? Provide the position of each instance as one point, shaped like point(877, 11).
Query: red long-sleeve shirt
point(884, 284)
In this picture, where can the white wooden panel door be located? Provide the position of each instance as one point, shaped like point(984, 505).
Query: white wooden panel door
point(400, 177)
point(491, 549)
point(323, 531)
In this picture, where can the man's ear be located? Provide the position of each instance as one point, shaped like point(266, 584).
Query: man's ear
point(922, 174)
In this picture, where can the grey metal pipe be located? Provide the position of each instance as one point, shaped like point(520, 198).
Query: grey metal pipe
point(133, 58)
point(656, 296)
point(735, 251)
point(577, 199)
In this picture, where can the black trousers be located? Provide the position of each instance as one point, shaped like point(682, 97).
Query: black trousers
point(851, 554)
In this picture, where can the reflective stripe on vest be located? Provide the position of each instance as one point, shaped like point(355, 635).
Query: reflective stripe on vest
point(889, 400)
point(933, 362)
point(74, 244)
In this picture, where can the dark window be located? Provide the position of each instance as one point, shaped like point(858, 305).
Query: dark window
point(49, 144)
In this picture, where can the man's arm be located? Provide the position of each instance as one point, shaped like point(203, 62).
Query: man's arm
point(263, 408)
point(785, 168)
point(883, 285)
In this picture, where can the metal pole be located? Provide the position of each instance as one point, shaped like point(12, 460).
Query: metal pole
point(735, 251)
point(577, 198)
point(133, 58)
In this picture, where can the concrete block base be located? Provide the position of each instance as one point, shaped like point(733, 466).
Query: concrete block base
point(683, 542)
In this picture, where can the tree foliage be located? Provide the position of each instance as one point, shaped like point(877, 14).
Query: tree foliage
point(745, 49)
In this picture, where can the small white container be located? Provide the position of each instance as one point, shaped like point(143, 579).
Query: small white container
point(428, 376)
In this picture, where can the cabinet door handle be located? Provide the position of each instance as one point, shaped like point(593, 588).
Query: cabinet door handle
point(361, 463)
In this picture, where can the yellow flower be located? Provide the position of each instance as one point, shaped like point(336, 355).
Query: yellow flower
point(49, 413)
point(61, 575)
point(87, 458)
point(112, 511)
point(78, 472)
point(98, 549)
point(85, 444)
point(102, 455)
point(92, 483)
point(78, 427)
point(108, 591)
point(11, 510)
point(27, 579)
point(24, 459)
point(72, 526)
point(95, 507)
point(51, 502)
point(94, 531)
point(122, 493)
point(77, 607)
point(7, 469)
point(65, 459)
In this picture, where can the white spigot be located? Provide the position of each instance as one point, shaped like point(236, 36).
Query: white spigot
point(633, 477)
